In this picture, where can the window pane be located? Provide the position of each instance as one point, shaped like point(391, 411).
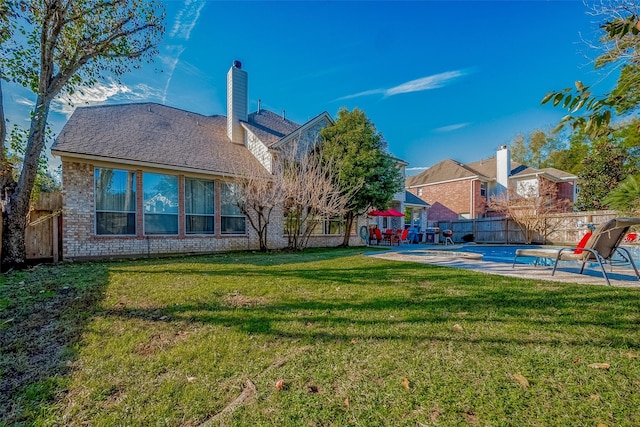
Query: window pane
point(115, 190)
point(160, 224)
point(115, 223)
point(233, 225)
point(160, 193)
point(228, 199)
point(314, 224)
point(335, 226)
point(198, 196)
point(199, 224)
point(115, 201)
point(160, 203)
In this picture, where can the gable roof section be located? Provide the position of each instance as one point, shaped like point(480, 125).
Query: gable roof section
point(324, 116)
point(413, 200)
point(446, 170)
point(552, 174)
point(488, 167)
point(269, 127)
point(155, 135)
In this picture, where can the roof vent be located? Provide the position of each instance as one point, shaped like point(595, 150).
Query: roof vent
point(237, 64)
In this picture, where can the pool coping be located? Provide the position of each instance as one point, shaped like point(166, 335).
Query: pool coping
point(621, 277)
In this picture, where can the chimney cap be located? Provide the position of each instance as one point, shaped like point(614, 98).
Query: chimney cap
point(237, 64)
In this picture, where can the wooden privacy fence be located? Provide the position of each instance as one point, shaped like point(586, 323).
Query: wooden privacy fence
point(503, 230)
point(43, 237)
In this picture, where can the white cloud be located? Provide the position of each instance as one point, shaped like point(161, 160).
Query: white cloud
point(187, 19)
point(23, 101)
point(184, 23)
point(451, 128)
point(415, 170)
point(424, 83)
point(103, 93)
point(365, 93)
point(171, 63)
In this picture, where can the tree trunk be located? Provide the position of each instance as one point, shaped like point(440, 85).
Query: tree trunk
point(7, 183)
point(17, 205)
point(348, 224)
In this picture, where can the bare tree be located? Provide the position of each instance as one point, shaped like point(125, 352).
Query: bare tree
point(302, 186)
point(311, 192)
point(535, 208)
point(257, 195)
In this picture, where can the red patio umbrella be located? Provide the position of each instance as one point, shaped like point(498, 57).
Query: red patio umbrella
point(392, 212)
point(388, 212)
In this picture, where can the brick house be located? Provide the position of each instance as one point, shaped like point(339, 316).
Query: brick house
point(148, 179)
point(461, 191)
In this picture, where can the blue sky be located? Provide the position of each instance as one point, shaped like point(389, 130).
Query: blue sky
point(438, 79)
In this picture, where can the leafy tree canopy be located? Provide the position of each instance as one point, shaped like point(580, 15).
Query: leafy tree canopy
point(55, 47)
point(603, 168)
point(535, 149)
point(361, 160)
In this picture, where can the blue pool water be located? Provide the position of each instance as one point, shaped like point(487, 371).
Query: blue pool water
point(506, 253)
point(498, 253)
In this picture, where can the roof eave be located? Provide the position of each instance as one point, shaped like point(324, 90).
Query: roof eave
point(151, 165)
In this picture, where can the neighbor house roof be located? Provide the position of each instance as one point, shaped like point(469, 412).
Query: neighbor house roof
point(550, 173)
point(450, 170)
point(446, 170)
point(156, 135)
point(488, 167)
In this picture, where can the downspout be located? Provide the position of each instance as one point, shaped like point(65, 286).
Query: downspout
point(471, 198)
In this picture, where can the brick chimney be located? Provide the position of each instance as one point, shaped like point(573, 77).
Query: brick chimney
point(237, 101)
point(503, 168)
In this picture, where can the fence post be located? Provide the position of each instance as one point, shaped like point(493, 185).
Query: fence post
point(56, 255)
point(506, 229)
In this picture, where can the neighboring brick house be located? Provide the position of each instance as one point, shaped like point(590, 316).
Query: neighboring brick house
point(147, 179)
point(456, 190)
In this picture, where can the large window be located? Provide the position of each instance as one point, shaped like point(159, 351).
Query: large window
point(231, 217)
point(160, 203)
point(326, 226)
point(115, 198)
point(198, 199)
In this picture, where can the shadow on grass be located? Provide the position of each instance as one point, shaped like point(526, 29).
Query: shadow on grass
point(404, 301)
point(43, 313)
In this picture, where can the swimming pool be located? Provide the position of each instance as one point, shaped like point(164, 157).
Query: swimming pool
point(506, 253)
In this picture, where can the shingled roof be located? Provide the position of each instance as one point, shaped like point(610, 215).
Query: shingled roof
point(450, 170)
point(551, 173)
point(269, 127)
point(488, 167)
point(156, 135)
point(446, 170)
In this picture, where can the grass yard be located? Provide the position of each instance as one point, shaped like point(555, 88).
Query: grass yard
point(326, 337)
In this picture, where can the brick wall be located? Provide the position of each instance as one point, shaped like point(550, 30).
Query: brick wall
point(448, 200)
point(565, 191)
point(80, 240)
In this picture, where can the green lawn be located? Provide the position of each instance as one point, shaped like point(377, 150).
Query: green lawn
point(355, 341)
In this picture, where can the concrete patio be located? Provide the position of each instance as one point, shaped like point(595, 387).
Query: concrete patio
point(426, 254)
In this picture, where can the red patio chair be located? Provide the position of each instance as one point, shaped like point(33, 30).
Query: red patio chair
point(378, 235)
point(403, 237)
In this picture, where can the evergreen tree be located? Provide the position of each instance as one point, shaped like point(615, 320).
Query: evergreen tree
point(603, 168)
point(363, 166)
